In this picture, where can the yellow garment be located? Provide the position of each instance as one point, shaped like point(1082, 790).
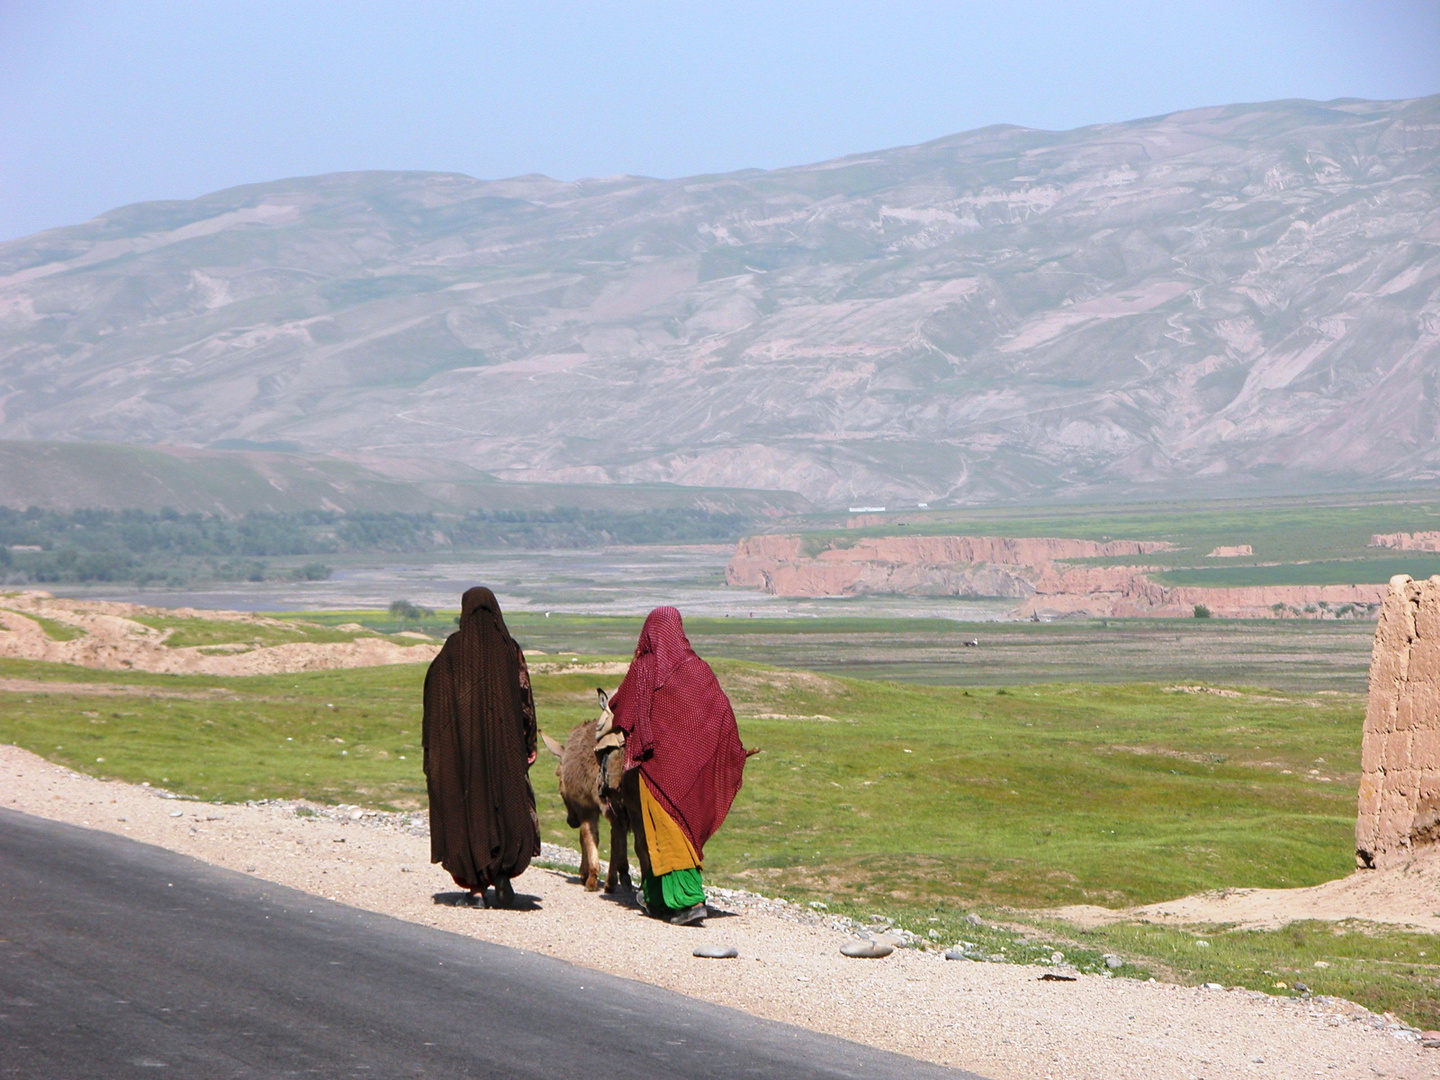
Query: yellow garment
point(669, 847)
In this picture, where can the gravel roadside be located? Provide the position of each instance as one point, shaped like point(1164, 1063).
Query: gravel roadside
point(999, 1020)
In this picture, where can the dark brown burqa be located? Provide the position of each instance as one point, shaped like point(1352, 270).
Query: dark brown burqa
point(479, 738)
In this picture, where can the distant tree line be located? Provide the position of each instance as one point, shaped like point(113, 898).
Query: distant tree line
point(562, 527)
point(570, 527)
point(134, 545)
point(136, 532)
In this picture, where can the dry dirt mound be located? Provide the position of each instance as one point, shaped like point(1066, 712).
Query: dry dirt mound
point(110, 637)
point(1000, 1020)
point(1407, 895)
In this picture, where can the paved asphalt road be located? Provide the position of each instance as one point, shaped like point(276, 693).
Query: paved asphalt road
point(120, 960)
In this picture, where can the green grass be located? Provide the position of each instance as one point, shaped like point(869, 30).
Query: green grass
point(1386, 968)
point(1032, 796)
point(1040, 795)
point(1009, 800)
point(1390, 970)
point(440, 624)
point(1328, 572)
point(54, 629)
point(1280, 530)
point(234, 739)
point(1290, 655)
point(191, 632)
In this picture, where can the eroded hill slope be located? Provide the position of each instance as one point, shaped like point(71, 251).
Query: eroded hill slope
point(1242, 294)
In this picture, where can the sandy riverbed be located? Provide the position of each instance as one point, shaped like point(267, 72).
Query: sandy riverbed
point(999, 1020)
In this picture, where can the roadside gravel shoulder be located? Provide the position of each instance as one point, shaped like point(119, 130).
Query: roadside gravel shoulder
point(999, 1020)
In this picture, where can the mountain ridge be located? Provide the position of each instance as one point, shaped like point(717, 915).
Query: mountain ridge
point(68, 476)
point(1242, 295)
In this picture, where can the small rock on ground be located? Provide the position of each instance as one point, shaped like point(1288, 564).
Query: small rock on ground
point(870, 950)
point(716, 952)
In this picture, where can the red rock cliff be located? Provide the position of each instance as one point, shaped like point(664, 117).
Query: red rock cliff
point(1025, 569)
point(915, 565)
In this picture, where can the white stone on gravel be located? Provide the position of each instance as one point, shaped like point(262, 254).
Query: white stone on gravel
point(869, 950)
point(716, 952)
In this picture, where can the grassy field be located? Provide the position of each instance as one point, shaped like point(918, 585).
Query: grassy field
point(1386, 969)
point(919, 802)
point(1392, 970)
point(1283, 529)
point(1287, 655)
point(1356, 571)
point(188, 632)
point(439, 624)
point(1028, 795)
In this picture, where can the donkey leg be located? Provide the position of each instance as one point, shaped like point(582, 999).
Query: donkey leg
point(630, 791)
point(620, 848)
point(619, 854)
point(589, 854)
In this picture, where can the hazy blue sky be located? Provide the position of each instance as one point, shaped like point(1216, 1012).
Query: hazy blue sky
point(120, 101)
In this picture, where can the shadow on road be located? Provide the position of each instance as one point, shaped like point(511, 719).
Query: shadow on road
point(522, 902)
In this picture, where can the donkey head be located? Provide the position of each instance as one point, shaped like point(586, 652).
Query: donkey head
point(609, 754)
point(605, 722)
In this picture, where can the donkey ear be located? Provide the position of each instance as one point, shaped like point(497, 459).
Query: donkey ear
point(604, 697)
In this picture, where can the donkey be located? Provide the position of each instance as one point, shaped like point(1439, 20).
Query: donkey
point(592, 763)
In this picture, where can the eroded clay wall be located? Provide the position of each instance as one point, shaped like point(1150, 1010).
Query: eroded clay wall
point(912, 565)
point(1023, 569)
point(1420, 541)
point(1400, 756)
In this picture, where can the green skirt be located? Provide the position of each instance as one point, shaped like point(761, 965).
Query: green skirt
point(676, 890)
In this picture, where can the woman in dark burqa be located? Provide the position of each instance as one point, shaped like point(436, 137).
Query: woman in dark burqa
point(479, 737)
point(683, 760)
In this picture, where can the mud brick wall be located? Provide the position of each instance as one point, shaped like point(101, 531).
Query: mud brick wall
point(1400, 755)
